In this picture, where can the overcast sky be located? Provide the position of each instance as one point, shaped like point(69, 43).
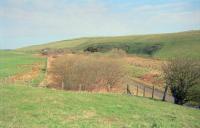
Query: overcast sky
point(28, 22)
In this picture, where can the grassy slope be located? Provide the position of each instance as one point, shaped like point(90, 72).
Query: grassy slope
point(12, 62)
point(174, 44)
point(29, 107)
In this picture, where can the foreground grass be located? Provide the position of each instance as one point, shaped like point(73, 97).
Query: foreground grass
point(29, 107)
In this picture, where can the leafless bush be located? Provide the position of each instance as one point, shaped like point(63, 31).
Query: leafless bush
point(85, 72)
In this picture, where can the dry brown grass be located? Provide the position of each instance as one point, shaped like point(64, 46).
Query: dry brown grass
point(26, 76)
point(144, 62)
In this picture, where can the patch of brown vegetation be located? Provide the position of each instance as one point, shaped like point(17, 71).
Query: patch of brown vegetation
point(72, 118)
point(103, 89)
point(87, 114)
point(51, 79)
point(152, 78)
point(83, 72)
point(26, 76)
point(144, 62)
point(108, 120)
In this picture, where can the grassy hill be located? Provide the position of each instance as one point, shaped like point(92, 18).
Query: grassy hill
point(31, 107)
point(155, 45)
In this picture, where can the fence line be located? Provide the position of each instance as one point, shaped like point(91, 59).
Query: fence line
point(140, 89)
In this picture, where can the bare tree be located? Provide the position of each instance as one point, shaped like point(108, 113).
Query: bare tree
point(180, 75)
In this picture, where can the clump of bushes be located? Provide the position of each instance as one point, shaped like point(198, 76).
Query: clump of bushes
point(91, 49)
point(128, 47)
point(150, 50)
point(86, 72)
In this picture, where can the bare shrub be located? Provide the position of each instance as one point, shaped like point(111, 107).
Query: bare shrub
point(81, 72)
point(111, 71)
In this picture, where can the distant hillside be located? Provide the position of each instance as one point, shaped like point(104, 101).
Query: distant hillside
point(155, 45)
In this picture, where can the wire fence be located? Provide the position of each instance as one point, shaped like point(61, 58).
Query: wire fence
point(140, 89)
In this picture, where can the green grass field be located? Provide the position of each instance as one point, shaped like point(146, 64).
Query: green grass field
point(12, 62)
point(156, 45)
point(31, 107)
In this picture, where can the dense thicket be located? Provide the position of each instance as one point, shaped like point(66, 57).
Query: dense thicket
point(84, 72)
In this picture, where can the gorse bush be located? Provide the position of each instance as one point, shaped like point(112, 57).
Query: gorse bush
point(81, 72)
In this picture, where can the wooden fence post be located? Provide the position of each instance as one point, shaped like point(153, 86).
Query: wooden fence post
point(144, 92)
point(128, 90)
point(63, 85)
point(153, 92)
point(137, 90)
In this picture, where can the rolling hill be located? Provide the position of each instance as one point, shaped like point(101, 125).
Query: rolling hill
point(156, 45)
